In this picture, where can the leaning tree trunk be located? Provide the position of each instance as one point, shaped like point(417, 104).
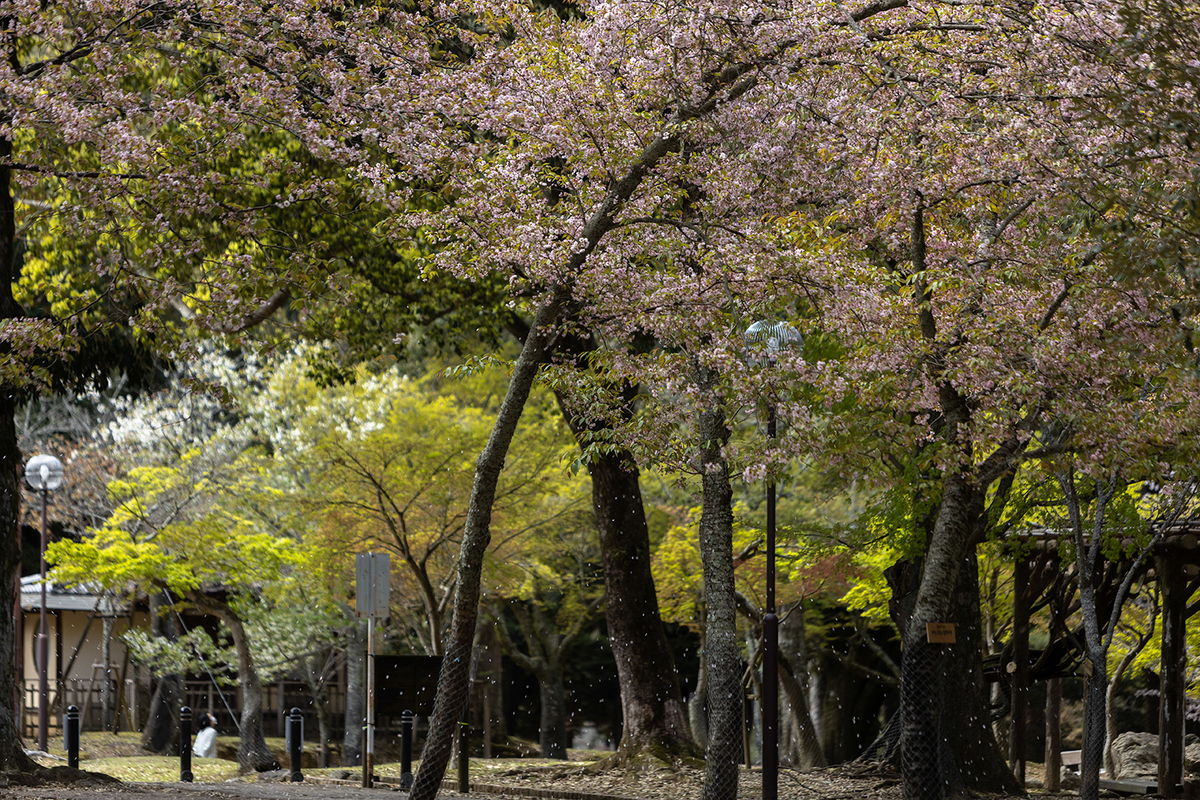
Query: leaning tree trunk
point(12, 754)
point(453, 687)
point(253, 753)
point(721, 640)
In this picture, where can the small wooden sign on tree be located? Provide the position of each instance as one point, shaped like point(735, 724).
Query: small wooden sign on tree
point(939, 632)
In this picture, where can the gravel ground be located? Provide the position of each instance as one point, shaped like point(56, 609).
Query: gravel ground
point(634, 785)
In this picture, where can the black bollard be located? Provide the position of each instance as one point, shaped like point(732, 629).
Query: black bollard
point(185, 744)
point(295, 742)
point(406, 740)
point(71, 736)
point(464, 771)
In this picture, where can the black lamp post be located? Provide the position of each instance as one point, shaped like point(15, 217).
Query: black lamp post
point(776, 336)
point(43, 473)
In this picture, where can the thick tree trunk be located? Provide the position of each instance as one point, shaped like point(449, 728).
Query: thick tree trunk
point(976, 759)
point(932, 673)
point(454, 682)
point(553, 733)
point(654, 715)
point(721, 639)
point(352, 740)
point(12, 754)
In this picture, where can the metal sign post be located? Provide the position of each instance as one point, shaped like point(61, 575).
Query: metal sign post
point(372, 573)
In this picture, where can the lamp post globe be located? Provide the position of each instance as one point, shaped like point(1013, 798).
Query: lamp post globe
point(772, 336)
point(43, 473)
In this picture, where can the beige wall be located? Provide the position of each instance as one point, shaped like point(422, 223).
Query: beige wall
point(66, 629)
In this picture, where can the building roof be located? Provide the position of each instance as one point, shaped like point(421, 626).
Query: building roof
point(68, 598)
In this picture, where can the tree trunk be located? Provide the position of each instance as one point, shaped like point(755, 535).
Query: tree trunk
point(1092, 757)
point(253, 753)
point(352, 740)
point(653, 711)
point(162, 721)
point(721, 639)
point(698, 702)
point(976, 759)
point(315, 669)
point(106, 688)
point(553, 734)
point(12, 754)
point(453, 683)
point(928, 681)
point(655, 718)
point(808, 746)
point(1053, 755)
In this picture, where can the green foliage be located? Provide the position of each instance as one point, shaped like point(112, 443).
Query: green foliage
point(191, 653)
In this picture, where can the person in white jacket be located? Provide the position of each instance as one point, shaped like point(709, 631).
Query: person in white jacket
point(206, 737)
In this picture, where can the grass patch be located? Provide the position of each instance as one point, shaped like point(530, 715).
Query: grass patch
point(141, 769)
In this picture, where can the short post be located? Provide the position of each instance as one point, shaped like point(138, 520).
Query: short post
point(406, 742)
point(71, 736)
point(185, 744)
point(464, 769)
point(295, 742)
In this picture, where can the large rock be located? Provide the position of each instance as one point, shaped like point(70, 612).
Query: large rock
point(1135, 755)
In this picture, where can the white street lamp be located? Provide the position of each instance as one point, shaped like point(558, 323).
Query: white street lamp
point(43, 473)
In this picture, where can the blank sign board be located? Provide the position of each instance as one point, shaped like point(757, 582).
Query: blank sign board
point(372, 582)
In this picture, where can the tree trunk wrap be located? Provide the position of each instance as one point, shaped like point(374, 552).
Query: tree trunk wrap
point(453, 682)
point(1092, 757)
point(948, 591)
point(920, 667)
point(721, 639)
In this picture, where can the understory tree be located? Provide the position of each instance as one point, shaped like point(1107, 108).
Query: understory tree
point(193, 532)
